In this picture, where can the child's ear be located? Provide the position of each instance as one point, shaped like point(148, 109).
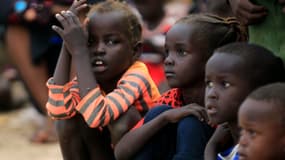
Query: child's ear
point(137, 50)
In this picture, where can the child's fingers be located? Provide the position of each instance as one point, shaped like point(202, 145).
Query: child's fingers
point(77, 6)
point(61, 19)
point(204, 114)
point(58, 30)
point(69, 17)
point(74, 18)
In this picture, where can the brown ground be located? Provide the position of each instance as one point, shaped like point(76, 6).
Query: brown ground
point(16, 127)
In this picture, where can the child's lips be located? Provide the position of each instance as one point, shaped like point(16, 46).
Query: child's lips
point(242, 156)
point(241, 153)
point(169, 74)
point(211, 109)
point(98, 66)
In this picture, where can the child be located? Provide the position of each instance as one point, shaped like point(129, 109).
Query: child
point(155, 22)
point(186, 56)
point(109, 80)
point(231, 74)
point(261, 118)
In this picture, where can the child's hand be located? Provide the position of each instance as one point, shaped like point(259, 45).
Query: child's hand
point(174, 115)
point(77, 6)
point(247, 12)
point(72, 32)
point(282, 2)
point(220, 141)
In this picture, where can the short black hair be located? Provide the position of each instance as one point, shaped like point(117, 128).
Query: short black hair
point(261, 65)
point(272, 93)
point(133, 23)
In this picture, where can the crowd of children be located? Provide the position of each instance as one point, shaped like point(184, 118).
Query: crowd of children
point(225, 99)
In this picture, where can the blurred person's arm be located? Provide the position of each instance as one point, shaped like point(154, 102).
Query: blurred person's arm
point(247, 12)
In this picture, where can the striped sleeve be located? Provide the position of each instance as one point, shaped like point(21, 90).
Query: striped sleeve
point(99, 110)
point(62, 99)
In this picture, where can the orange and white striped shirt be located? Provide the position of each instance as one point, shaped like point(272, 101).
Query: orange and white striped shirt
point(135, 88)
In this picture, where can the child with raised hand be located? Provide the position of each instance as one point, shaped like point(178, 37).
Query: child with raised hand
point(110, 86)
point(261, 118)
point(186, 56)
point(232, 73)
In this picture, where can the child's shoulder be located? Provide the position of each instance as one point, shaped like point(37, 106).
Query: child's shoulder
point(172, 98)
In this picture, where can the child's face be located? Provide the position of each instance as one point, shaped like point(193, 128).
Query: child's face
point(111, 50)
point(226, 88)
point(184, 64)
point(262, 136)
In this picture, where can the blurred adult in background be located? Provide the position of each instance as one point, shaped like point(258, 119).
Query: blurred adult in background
point(266, 21)
point(33, 49)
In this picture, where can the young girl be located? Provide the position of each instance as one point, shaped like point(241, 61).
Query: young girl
point(231, 74)
point(261, 118)
point(109, 80)
point(155, 22)
point(186, 56)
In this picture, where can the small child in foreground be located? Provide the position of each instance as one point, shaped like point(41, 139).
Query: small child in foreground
point(232, 73)
point(262, 122)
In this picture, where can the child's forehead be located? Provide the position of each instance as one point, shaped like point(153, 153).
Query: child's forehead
point(225, 62)
point(259, 110)
point(181, 31)
point(108, 21)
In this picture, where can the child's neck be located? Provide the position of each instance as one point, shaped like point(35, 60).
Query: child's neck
point(108, 86)
point(235, 131)
point(194, 94)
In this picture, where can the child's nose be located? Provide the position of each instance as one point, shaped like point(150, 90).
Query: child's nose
point(100, 48)
point(211, 93)
point(243, 140)
point(168, 61)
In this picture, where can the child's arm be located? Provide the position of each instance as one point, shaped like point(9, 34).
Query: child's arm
point(61, 102)
point(62, 70)
point(134, 140)
point(220, 141)
point(123, 124)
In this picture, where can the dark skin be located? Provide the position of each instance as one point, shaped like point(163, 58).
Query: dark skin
point(250, 13)
point(225, 91)
point(262, 124)
point(181, 55)
point(99, 57)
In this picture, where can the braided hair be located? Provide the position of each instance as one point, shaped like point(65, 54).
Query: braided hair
point(212, 31)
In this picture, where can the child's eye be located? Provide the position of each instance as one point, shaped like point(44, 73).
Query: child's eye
point(110, 42)
point(251, 133)
point(90, 41)
point(209, 84)
point(226, 84)
point(181, 52)
point(166, 53)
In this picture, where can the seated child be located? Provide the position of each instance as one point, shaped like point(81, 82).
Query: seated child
point(110, 83)
point(261, 118)
point(186, 56)
point(232, 73)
